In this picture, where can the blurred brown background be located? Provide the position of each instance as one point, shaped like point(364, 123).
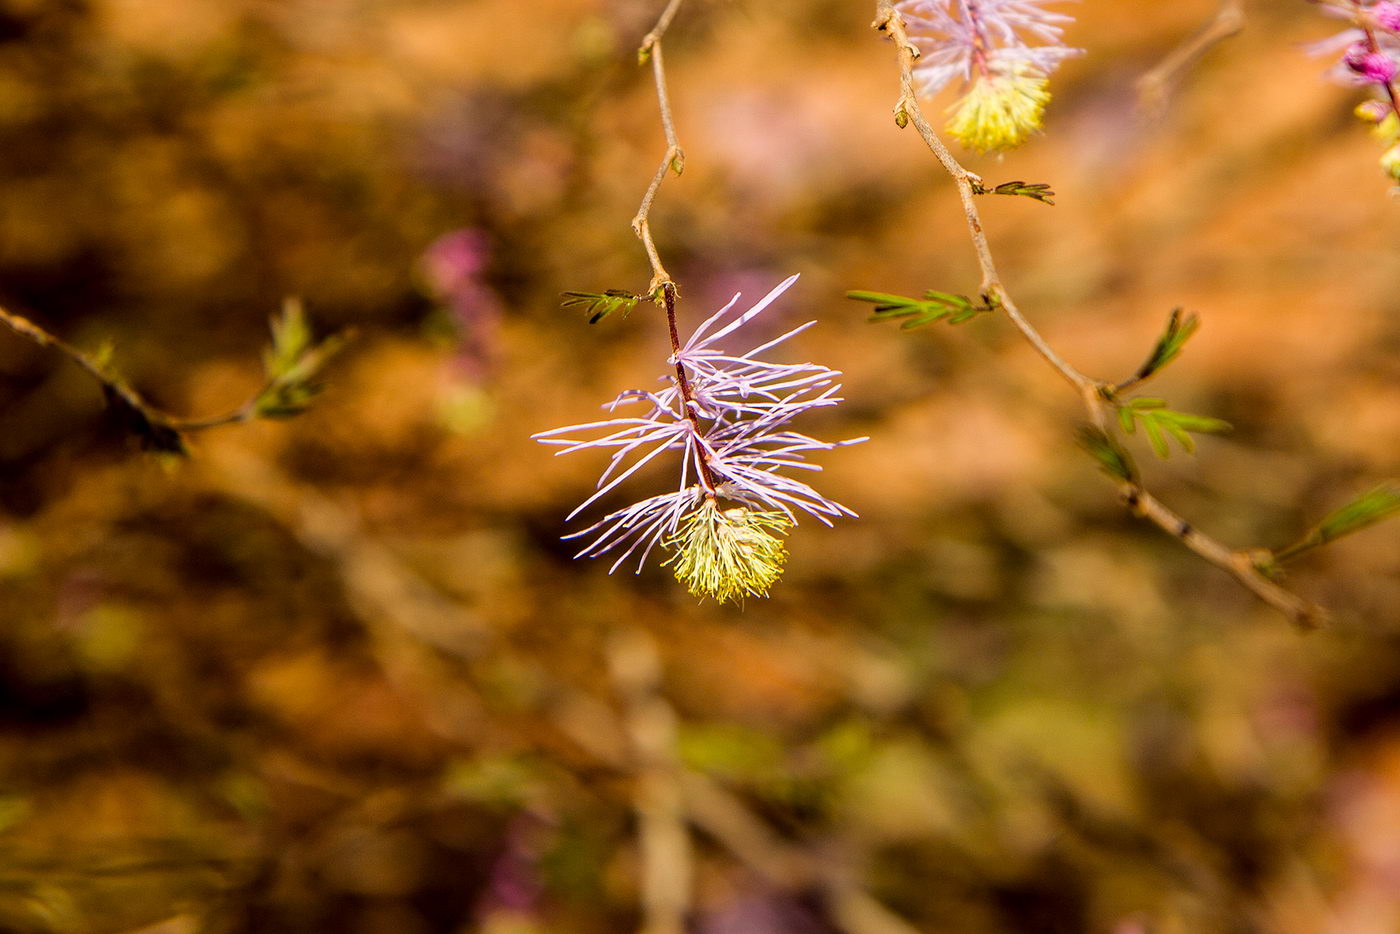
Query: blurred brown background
point(339, 673)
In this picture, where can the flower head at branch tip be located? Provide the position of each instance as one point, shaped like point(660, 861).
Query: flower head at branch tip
point(1000, 51)
point(729, 554)
point(728, 432)
point(1368, 55)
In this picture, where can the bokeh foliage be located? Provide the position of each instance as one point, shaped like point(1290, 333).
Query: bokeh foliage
point(338, 673)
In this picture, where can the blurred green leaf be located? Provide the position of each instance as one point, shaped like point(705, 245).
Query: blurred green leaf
point(498, 780)
point(731, 751)
point(291, 336)
point(1169, 345)
point(599, 305)
point(292, 362)
point(1365, 510)
point(934, 306)
point(1115, 461)
point(13, 809)
point(848, 745)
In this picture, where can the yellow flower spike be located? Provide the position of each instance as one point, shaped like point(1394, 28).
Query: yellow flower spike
point(1390, 161)
point(999, 112)
point(1388, 129)
point(729, 554)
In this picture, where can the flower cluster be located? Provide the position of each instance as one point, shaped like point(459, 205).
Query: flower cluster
point(1369, 56)
point(727, 415)
point(986, 45)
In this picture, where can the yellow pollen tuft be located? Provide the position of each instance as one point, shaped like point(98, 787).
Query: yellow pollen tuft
point(999, 112)
point(729, 554)
point(1390, 161)
point(1388, 129)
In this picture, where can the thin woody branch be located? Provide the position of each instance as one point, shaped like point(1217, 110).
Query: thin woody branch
point(661, 281)
point(1244, 566)
point(162, 431)
point(674, 158)
point(1155, 87)
point(158, 430)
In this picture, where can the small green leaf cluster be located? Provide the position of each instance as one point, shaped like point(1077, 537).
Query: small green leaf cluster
point(1159, 422)
point(291, 364)
point(934, 306)
point(1038, 191)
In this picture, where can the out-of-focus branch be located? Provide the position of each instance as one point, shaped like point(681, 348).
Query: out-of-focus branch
point(291, 364)
point(1244, 565)
point(400, 606)
point(723, 816)
point(664, 839)
point(1155, 87)
point(674, 158)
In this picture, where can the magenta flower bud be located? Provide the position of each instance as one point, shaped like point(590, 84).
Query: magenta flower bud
point(1387, 15)
point(1373, 66)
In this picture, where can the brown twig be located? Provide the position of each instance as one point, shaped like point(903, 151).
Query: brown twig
point(674, 159)
point(1244, 565)
point(1155, 87)
point(661, 281)
point(159, 430)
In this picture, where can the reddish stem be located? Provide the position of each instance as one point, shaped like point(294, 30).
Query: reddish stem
point(979, 45)
point(707, 477)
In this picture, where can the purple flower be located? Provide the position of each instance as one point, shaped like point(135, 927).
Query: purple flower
point(734, 445)
point(967, 39)
point(453, 269)
point(1002, 52)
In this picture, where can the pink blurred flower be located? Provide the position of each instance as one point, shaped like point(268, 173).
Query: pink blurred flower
point(452, 269)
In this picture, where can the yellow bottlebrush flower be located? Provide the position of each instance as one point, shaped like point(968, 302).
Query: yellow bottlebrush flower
point(1390, 161)
point(1388, 129)
point(999, 111)
point(729, 554)
point(1384, 124)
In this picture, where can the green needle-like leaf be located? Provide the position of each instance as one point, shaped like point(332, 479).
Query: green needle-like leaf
point(1169, 345)
point(1115, 461)
point(934, 306)
point(1038, 191)
point(1159, 422)
point(1367, 509)
point(599, 305)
